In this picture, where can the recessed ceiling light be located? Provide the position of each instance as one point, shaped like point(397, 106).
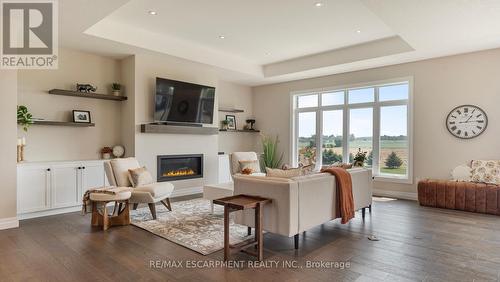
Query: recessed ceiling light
point(153, 13)
point(221, 37)
point(358, 31)
point(318, 4)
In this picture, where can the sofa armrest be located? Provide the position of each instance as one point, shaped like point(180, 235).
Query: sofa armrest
point(281, 215)
point(362, 187)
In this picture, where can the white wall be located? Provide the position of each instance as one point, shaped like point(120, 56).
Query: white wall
point(236, 96)
point(48, 143)
point(439, 85)
point(8, 142)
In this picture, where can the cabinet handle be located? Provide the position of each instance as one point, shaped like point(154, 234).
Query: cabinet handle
point(48, 169)
point(83, 167)
point(79, 167)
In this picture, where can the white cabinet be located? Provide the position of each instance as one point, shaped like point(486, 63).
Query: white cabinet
point(55, 187)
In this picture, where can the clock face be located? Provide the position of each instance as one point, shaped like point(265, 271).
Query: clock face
point(466, 121)
point(118, 151)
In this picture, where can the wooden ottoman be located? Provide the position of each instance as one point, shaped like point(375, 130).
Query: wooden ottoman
point(465, 196)
point(120, 214)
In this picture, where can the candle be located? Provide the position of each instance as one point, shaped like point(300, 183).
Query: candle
point(19, 142)
point(23, 142)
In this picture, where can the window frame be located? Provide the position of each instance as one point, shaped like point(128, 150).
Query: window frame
point(346, 107)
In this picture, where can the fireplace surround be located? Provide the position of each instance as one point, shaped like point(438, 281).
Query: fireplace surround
point(179, 167)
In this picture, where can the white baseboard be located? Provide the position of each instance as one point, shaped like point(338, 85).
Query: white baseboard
point(186, 191)
point(7, 223)
point(396, 194)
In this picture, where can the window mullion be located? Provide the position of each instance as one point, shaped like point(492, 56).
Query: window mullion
point(376, 135)
point(345, 130)
point(319, 134)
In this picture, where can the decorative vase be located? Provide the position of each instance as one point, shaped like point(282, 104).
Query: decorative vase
point(359, 164)
point(106, 156)
point(116, 92)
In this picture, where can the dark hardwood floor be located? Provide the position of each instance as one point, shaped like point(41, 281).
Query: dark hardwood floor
point(416, 244)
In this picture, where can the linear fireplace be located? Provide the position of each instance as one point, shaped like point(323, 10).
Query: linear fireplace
point(177, 167)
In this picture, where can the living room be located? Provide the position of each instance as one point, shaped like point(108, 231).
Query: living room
point(395, 108)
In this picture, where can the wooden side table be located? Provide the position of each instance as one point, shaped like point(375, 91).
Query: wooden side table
point(243, 202)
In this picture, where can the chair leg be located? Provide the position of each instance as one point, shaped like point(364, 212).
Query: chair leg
point(296, 241)
point(363, 212)
point(166, 203)
point(152, 208)
point(370, 208)
point(134, 206)
point(249, 230)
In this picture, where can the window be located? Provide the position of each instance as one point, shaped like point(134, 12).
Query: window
point(331, 126)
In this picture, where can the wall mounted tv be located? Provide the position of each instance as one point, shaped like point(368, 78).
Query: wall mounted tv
point(182, 102)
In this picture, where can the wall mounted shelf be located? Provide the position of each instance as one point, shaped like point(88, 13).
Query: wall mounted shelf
point(173, 129)
point(86, 95)
point(239, 130)
point(62, 123)
point(230, 110)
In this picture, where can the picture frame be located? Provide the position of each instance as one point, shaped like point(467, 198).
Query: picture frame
point(81, 116)
point(231, 122)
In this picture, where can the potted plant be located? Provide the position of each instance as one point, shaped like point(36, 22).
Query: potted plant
point(225, 124)
point(359, 158)
point(106, 153)
point(24, 117)
point(116, 88)
point(270, 156)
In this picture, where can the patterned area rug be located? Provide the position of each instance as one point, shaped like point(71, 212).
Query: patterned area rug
point(190, 224)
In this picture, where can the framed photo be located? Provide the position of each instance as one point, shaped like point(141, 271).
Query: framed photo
point(81, 116)
point(231, 122)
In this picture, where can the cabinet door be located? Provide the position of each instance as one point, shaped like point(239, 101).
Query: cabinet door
point(33, 192)
point(92, 176)
point(65, 186)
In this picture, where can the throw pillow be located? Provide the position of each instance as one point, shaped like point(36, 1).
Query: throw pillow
point(249, 166)
point(487, 171)
point(462, 173)
point(140, 177)
point(281, 173)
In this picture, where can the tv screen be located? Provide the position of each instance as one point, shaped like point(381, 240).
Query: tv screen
point(177, 101)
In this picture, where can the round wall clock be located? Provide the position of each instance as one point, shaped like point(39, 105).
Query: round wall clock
point(118, 151)
point(466, 121)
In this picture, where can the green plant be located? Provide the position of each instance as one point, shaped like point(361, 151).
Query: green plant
point(24, 117)
point(330, 157)
point(393, 161)
point(360, 157)
point(116, 86)
point(225, 122)
point(270, 152)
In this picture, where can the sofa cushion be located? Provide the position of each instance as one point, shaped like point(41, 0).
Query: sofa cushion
point(140, 177)
point(284, 173)
point(251, 165)
point(487, 171)
point(157, 190)
point(462, 173)
point(120, 170)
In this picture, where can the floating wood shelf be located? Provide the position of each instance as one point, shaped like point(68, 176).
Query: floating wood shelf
point(87, 95)
point(62, 123)
point(239, 130)
point(230, 110)
point(173, 129)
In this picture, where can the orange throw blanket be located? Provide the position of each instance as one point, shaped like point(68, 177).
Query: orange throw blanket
point(345, 204)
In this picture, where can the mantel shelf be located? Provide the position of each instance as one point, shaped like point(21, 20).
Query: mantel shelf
point(87, 95)
point(239, 130)
point(230, 110)
point(174, 129)
point(62, 123)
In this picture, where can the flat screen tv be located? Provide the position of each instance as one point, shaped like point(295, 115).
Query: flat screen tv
point(182, 102)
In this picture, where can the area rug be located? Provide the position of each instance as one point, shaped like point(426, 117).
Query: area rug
point(190, 224)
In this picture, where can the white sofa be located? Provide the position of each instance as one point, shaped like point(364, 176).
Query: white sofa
point(300, 203)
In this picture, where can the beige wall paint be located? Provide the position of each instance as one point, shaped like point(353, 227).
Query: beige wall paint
point(439, 85)
point(48, 143)
point(8, 142)
point(236, 96)
point(127, 119)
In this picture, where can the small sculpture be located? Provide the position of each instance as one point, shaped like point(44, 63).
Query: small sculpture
point(85, 88)
point(251, 122)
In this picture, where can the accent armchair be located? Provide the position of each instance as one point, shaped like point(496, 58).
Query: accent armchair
point(117, 174)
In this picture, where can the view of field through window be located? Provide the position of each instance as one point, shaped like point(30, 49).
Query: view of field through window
point(393, 135)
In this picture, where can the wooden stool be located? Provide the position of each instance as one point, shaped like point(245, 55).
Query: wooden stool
point(121, 211)
point(243, 202)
